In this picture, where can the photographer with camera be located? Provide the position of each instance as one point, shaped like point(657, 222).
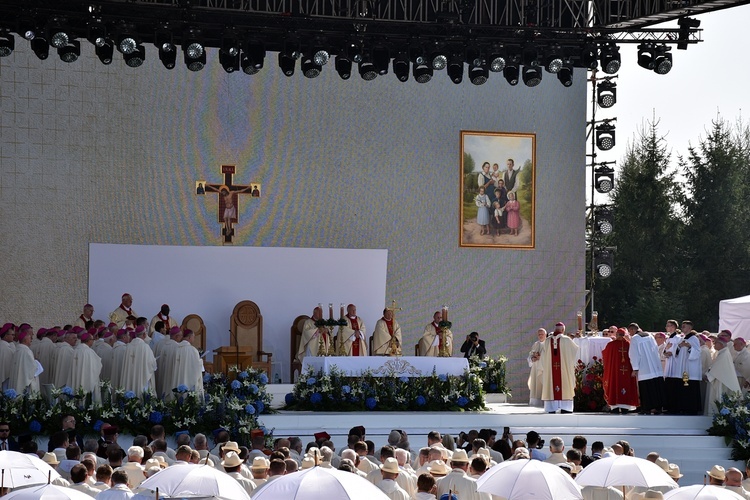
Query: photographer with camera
point(535, 444)
point(472, 346)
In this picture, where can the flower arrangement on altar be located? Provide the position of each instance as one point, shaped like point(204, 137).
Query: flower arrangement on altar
point(333, 391)
point(732, 421)
point(234, 406)
point(589, 395)
point(491, 372)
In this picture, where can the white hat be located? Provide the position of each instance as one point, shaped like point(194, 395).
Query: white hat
point(716, 472)
point(390, 465)
point(231, 459)
point(308, 462)
point(437, 468)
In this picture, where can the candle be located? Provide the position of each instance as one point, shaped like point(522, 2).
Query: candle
point(342, 310)
point(579, 318)
point(445, 313)
point(330, 311)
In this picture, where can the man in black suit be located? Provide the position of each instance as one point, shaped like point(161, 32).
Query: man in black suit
point(7, 442)
point(472, 346)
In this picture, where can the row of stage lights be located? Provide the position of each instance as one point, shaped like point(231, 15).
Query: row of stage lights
point(526, 63)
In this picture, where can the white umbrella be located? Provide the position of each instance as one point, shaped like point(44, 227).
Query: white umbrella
point(526, 479)
point(47, 492)
point(701, 492)
point(621, 471)
point(191, 480)
point(319, 483)
point(20, 469)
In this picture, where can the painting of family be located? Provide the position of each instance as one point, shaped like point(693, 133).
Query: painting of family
point(497, 189)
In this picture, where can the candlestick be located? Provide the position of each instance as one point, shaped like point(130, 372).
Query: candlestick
point(445, 313)
point(342, 310)
point(579, 319)
point(330, 310)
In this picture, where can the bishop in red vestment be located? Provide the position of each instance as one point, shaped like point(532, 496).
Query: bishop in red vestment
point(620, 387)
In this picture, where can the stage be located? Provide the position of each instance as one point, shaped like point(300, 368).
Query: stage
point(680, 439)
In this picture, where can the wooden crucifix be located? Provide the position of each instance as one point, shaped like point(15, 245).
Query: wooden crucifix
point(228, 199)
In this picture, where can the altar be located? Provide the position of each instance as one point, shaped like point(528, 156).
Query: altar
point(590, 347)
point(381, 366)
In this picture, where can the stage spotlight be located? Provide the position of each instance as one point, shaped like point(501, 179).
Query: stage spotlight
point(604, 262)
point(97, 33)
point(662, 60)
point(167, 49)
point(532, 76)
point(604, 179)
point(610, 58)
point(127, 41)
point(58, 35)
point(530, 55)
point(604, 220)
point(646, 56)
point(478, 73)
point(7, 44)
point(381, 57)
point(606, 94)
point(511, 74)
point(354, 51)
point(195, 63)
point(40, 46)
point(553, 61)
point(253, 56)
point(104, 52)
point(439, 60)
point(605, 136)
point(309, 67)
point(321, 57)
point(565, 75)
point(589, 56)
point(286, 63)
point(685, 24)
point(367, 69)
point(168, 57)
point(135, 58)
point(343, 66)
point(497, 62)
point(456, 69)
point(71, 52)
point(401, 66)
point(230, 62)
point(422, 72)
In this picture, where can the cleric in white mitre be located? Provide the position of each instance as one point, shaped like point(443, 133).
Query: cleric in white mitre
point(188, 365)
point(124, 310)
point(138, 374)
point(721, 376)
point(431, 342)
point(62, 362)
point(352, 336)
point(386, 330)
point(103, 348)
point(87, 368)
point(118, 357)
point(164, 353)
point(7, 351)
point(23, 371)
point(164, 317)
point(44, 353)
point(309, 344)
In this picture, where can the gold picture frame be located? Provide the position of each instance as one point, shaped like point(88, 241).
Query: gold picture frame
point(502, 213)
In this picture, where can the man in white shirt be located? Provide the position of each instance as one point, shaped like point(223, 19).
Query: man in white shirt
point(133, 467)
point(458, 482)
point(78, 476)
point(119, 489)
point(388, 485)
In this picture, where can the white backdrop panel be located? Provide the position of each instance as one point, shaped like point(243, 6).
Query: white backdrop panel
point(210, 281)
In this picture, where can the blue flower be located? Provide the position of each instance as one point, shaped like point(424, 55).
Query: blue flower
point(289, 398)
point(98, 425)
point(482, 364)
point(250, 409)
point(155, 417)
point(260, 406)
point(182, 388)
point(370, 403)
point(206, 378)
point(311, 381)
point(493, 387)
point(263, 428)
point(404, 379)
point(263, 379)
point(442, 377)
point(316, 397)
point(253, 388)
point(462, 401)
point(421, 401)
point(129, 395)
point(236, 384)
point(346, 389)
point(242, 375)
point(67, 391)
point(10, 393)
point(724, 411)
point(35, 426)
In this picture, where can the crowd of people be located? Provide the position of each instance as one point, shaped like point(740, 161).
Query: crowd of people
point(131, 352)
point(103, 469)
point(679, 371)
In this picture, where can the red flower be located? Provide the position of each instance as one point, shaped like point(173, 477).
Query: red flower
point(592, 405)
point(586, 389)
point(589, 376)
point(594, 358)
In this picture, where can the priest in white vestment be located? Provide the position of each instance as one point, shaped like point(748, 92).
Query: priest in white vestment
point(434, 337)
point(103, 348)
point(86, 369)
point(119, 353)
point(352, 338)
point(122, 312)
point(386, 336)
point(647, 369)
point(188, 365)
point(535, 374)
point(23, 371)
point(63, 362)
point(741, 363)
point(7, 351)
point(164, 317)
point(85, 317)
point(310, 343)
point(163, 352)
point(45, 352)
point(721, 377)
point(138, 374)
point(559, 360)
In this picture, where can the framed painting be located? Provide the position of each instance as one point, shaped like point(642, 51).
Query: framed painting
point(498, 192)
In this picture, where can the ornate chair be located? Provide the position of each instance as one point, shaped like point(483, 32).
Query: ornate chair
point(296, 338)
point(246, 329)
point(195, 323)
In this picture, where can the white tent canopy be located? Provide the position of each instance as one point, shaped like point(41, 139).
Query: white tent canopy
point(734, 315)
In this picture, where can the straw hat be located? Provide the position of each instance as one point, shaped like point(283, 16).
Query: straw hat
point(674, 471)
point(231, 459)
point(391, 465)
point(460, 457)
point(231, 446)
point(437, 468)
point(308, 462)
point(50, 459)
point(663, 463)
point(716, 472)
point(260, 463)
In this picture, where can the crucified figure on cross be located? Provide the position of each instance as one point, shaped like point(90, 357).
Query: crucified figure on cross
point(228, 200)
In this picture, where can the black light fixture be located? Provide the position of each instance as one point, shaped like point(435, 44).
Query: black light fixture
point(589, 56)
point(195, 62)
point(380, 58)
point(511, 74)
point(40, 46)
point(497, 62)
point(321, 56)
point(605, 136)
point(606, 94)
point(367, 69)
point(604, 179)
point(71, 52)
point(343, 66)
point(229, 52)
point(165, 45)
point(604, 220)
point(58, 34)
point(455, 68)
point(685, 24)
point(253, 55)
point(97, 32)
point(135, 59)
point(105, 51)
point(401, 66)
point(565, 75)
point(553, 60)
point(288, 58)
point(7, 44)
point(532, 75)
point(438, 59)
point(610, 58)
point(478, 73)
point(310, 68)
point(604, 262)
point(127, 40)
point(422, 72)
point(646, 55)
point(194, 51)
point(168, 57)
point(662, 60)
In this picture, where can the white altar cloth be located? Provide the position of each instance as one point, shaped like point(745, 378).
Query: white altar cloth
point(409, 366)
point(590, 347)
